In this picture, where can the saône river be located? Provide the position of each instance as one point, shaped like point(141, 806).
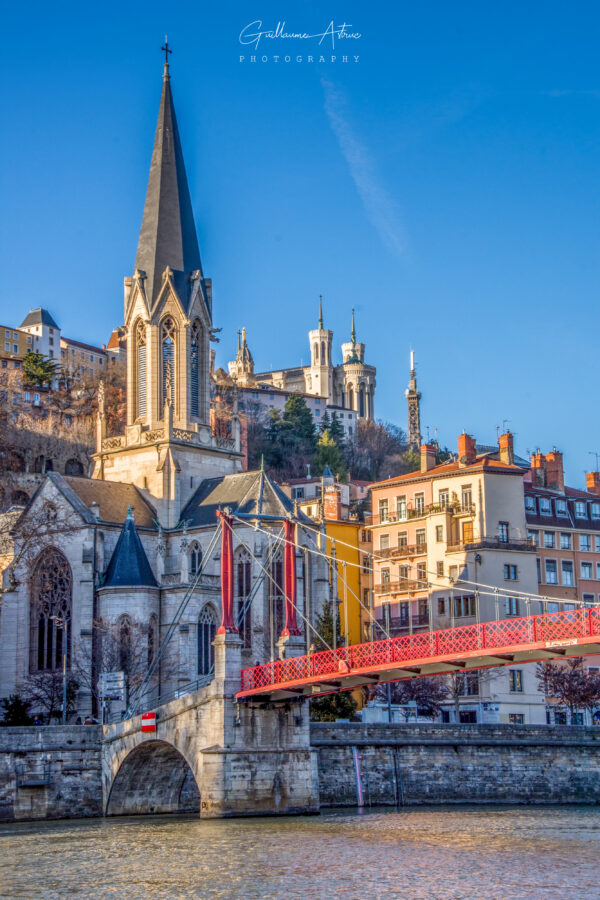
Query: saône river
point(450, 853)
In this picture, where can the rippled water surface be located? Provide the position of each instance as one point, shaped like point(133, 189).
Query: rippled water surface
point(445, 854)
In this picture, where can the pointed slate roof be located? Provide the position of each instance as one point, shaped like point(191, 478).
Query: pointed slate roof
point(168, 233)
point(129, 566)
point(247, 492)
point(38, 316)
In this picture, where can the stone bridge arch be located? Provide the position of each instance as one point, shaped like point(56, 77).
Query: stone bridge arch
point(154, 777)
point(210, 753)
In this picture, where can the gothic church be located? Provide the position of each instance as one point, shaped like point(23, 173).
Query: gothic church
point(128, 547)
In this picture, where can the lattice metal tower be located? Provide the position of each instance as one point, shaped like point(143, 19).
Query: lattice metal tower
point(414, 410)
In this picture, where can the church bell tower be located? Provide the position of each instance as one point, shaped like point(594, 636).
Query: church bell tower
point(168, 446)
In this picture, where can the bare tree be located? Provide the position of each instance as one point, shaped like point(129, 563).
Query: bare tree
point(23, 534)
point(44, 692)
point(570, 684)
point(428, 693)
point(123, 646)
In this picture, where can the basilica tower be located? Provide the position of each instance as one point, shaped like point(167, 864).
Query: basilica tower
point(168, 447)
point(321, 367)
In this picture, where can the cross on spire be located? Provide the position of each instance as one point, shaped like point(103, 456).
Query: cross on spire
point(165, 47)
point(320, 312)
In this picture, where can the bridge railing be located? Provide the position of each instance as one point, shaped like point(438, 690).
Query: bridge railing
point(546, 627)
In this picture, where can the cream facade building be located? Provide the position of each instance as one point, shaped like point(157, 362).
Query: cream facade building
point(133, 551)
point(451, 548)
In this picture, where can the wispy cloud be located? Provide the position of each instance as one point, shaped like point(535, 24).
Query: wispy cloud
point(380, 207)
point(571, 93)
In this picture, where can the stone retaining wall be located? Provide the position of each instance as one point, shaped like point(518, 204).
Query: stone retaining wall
point(53, 773)
point(427, 764)
point(50, 772)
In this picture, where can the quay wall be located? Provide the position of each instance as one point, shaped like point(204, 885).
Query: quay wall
point(428, 764)
point(55, 772)
point(50, 772)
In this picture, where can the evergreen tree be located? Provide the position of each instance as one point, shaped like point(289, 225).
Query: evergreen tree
point(298, 419)
point(15, 710)
point(333, 706)
point(336, 431)
point(329, 454)
point(38, 369)
point(325, 423)
point(291, 438)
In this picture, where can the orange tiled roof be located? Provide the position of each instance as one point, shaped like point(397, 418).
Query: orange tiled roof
point(483, 463)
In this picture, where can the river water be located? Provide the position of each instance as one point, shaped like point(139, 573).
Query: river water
point(445, 853)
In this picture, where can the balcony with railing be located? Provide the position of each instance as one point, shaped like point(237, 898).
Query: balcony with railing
point(403, 624)
point(492, 543)
point(453, 509)
point(403, 586)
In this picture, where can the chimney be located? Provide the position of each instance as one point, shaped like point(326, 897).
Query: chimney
point(555, 477)
point(538, 469)
point(505, 443)
point(466, 449)
point(593, 482)
point(427, 457)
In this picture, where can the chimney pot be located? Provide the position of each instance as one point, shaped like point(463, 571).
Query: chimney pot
point(466, 449)
point(427, 457)
point(505, 443)
point(593, 482)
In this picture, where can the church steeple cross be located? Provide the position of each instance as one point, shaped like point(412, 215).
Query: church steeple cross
point(165, 47)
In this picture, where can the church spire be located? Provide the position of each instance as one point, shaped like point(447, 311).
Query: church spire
point(320, 312)
point(353, 333)
point(168, 233)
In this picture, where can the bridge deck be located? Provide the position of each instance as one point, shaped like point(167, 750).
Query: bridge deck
point(490, 644)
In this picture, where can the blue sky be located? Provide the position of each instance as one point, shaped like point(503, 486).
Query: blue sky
point(446, 185)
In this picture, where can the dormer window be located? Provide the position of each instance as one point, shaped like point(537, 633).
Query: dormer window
point(545, 506)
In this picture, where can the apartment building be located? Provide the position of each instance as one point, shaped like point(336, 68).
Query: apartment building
point(14, 344)
point(450, 547)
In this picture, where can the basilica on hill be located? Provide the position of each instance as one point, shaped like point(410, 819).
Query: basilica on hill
point(347, 386)
point(136, 543)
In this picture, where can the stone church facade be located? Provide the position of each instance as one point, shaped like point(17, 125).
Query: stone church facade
point(134, 550)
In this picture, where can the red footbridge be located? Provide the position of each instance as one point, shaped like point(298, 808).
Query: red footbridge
point(491, 644)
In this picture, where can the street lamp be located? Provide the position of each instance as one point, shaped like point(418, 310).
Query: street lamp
point(63, 623)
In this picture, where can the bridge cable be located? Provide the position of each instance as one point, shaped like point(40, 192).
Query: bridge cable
point(272, 580)
point(138, 695)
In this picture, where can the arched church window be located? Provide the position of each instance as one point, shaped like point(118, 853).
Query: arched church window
point(194, 368)
point(124, 643)
point(50, 611)
point(361, 401)
point(316, 353)
point(243, 586)
point(350, 394)
point(207, 628)
point(195, 558)
point(140, 374)
point(152, 638)
point(167, 341)
point(323, 354)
